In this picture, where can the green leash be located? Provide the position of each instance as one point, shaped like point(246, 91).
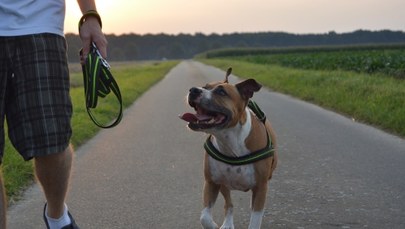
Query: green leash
point(99, 82)
point(258, 155)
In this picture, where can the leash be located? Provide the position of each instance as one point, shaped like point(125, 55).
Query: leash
point(258, 155)
point(99, 82)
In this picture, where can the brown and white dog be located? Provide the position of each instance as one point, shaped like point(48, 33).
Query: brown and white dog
point(221, 111)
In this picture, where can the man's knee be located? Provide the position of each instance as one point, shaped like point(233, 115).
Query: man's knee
point(60, 160)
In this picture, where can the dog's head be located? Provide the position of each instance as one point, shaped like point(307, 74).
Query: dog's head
point(219, 105)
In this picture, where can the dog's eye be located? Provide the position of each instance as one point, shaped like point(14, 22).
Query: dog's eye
point(220, 91)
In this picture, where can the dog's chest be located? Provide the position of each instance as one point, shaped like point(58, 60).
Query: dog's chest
point(233, 177)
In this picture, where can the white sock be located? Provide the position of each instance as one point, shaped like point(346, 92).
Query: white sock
point(58, 223)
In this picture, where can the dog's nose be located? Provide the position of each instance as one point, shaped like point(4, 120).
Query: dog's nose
point(194, 93)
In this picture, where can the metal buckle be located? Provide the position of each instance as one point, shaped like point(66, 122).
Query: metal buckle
point(97, 52)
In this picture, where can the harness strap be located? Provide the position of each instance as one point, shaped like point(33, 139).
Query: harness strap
point(256, 109)
point(99, 82)
point(258, 155)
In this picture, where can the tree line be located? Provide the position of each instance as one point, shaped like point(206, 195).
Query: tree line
point(129, 47)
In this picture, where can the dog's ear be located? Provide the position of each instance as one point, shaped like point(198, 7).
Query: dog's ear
point(228, 72)
point(247, 88)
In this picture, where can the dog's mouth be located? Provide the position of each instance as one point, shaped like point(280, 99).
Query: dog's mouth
point(204, 118)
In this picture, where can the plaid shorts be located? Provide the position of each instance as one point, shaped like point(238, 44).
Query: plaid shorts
point(34, 94)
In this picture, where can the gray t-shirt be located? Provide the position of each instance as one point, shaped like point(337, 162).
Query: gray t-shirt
point(25, 17)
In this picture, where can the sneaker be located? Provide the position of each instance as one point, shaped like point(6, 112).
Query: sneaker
point(72, 224)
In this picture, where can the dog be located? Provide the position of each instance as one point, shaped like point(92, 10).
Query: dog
point(240, 150)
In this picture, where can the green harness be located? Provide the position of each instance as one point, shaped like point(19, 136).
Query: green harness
point(258, 155)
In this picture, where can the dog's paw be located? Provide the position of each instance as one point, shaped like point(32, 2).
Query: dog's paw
point(228, 223)
point(208, 223)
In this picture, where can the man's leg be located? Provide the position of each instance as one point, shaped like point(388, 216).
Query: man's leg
point(53, 172)
point(3, 204)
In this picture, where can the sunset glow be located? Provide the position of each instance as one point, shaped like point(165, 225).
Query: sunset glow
point(212, 16)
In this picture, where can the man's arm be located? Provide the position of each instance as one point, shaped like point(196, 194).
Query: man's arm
point(90, 29)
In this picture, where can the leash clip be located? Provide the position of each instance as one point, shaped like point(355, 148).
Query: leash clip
point(95, 50)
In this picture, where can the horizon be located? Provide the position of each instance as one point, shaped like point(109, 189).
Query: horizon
point(230, 33)
point(256, 16)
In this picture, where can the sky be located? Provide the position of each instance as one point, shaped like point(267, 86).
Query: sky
point(230, 16)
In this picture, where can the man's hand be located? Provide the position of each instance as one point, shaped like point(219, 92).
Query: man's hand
point(90, 31)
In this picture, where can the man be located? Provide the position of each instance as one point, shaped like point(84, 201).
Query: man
point(34, 93)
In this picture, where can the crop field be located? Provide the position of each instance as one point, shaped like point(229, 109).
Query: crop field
point(367, 84)
point(390, 62)
point(385, 59)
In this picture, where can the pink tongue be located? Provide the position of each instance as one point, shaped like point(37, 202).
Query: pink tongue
point(188, 117)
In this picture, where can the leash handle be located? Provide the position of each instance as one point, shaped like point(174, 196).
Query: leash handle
point(99, 82)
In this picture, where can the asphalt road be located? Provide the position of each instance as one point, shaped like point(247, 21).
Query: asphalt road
point(147, 172)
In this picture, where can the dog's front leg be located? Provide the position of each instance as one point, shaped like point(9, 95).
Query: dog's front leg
point(228, 221)
point(258, 200)
point(210, 195)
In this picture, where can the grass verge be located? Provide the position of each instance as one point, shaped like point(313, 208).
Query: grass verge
point(133, 79)
point(373, 99)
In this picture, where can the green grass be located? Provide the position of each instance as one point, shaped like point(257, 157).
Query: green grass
point(375, 99)
point(133, 79)
point(17, 174)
